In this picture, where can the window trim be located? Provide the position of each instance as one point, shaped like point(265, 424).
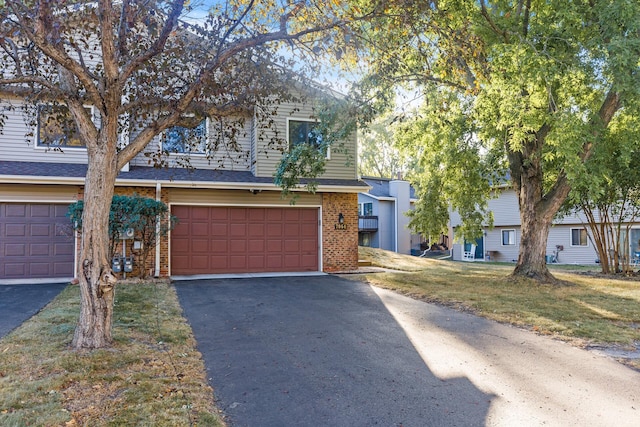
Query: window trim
point(586, 233)
point(515, 242)
point(298, 119)
point(205, 153)
point(47, 147)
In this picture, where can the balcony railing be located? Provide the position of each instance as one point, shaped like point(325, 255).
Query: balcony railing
point(368, 223)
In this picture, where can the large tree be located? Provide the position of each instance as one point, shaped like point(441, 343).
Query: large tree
point(143, 69)
point(538, 83)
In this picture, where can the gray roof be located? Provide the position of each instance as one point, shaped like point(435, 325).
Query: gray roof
point(380, 187)
point(50, 170)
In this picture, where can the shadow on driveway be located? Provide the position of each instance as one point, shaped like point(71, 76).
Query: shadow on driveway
point(19, 302)
point(311, 351)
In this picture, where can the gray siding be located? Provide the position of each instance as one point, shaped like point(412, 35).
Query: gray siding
point(238, 159)
point(19, 143)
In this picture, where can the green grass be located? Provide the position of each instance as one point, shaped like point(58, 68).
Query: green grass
point(152, 375)
point(589, 310)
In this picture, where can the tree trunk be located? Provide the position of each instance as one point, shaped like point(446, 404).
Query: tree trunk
point(535, 225)
point(537, 209)
point(95, 276)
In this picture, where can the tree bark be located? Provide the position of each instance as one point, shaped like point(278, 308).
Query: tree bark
point(537, 209)
point(96, 280)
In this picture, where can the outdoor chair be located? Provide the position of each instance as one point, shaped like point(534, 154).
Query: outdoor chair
point(469, 255)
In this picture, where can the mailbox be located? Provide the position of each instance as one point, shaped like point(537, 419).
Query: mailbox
point(116, 264)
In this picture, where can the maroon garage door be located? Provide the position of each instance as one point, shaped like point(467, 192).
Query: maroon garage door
point(36, 241)
point(210, 240)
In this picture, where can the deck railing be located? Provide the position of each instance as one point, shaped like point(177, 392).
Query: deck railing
point(368, 223)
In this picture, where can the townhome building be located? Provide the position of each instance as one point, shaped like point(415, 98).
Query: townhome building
point(569, 242)
point(231, 216)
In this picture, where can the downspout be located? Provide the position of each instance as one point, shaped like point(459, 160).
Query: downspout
point(395, 202)
point(156, 272)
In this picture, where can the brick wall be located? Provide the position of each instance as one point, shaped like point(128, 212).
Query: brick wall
point(339, 246)
point(149, 192)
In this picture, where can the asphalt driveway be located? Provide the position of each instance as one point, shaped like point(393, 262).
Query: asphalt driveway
point(325, 351)
point(19, 302)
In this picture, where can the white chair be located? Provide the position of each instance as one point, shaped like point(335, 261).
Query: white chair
point(469, 255)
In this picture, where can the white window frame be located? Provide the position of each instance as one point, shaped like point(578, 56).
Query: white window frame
point(41, 146)
point(502, 237)
point(204, 153)
point(296, 119)
point(586, 234)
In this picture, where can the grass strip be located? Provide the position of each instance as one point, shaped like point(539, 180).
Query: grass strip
point(590, 310)
point(152, 375)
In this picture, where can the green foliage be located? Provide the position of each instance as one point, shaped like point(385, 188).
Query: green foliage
point(607, 190)
point(536, 85)
point(377, 155)
point(450, 170)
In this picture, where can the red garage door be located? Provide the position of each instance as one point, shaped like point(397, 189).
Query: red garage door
point(36, 241)
point(211, 240)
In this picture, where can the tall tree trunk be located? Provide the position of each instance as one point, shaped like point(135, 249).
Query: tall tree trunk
point(95, 276)
point(533, 240)
point(537, 209)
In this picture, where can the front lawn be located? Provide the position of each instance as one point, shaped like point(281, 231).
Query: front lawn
point(590, 311)
point(153, 374)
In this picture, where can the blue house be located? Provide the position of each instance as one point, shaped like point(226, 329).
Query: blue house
point(383, 222)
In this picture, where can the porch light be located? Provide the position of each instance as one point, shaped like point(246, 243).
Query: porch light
point(340, 218)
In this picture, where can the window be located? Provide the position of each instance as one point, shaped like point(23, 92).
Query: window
point(366, 209)
point(305, 132)
point(578, 237)
point(508, 237)
point(178, 139)
point(56, 127)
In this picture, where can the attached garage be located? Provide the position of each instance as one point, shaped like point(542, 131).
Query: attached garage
point(214, 240)
point(36, 241)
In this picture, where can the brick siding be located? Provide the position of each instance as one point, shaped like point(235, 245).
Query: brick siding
point(339, 246)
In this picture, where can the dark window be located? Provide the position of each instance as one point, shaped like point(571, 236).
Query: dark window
point(367, 209)
point(305, 132)
point(56, 127)
point(508, 237)
point(180, 139)
point(578, 237)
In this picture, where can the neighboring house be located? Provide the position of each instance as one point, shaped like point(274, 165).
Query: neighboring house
point(383, 222)
point(569, 238)
point(232, 218)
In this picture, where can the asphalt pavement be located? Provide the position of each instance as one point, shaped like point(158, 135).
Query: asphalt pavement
point(19, 302)
point(326, 351)
point(317, 351)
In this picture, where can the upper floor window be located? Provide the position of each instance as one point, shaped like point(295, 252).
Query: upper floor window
point(366, 209)
point(578, 237)
point(56, 127)
point(305, 132)
point(179, 139)
point(508, 237)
